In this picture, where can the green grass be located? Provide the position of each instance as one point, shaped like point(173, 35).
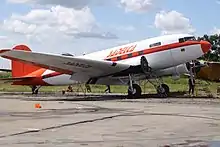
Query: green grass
point(202, 87)
point(5, 75)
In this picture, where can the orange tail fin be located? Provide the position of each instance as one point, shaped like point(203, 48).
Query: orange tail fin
point(20, 69)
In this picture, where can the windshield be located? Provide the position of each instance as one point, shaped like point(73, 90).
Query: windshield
point(187, 39)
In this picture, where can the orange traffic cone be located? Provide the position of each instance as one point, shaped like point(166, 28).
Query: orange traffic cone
point(38, 106)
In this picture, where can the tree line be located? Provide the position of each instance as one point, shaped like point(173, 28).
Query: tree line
point(214, 53)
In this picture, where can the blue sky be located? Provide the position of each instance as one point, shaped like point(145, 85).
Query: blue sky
point(83, 26)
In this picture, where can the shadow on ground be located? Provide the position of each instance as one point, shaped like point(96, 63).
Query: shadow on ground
point(144, 96)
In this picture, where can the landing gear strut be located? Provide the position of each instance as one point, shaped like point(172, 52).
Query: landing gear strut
point(134, 90)
point(162, 89)
point(35, 89)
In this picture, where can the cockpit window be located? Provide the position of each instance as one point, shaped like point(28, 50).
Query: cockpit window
point(189, 38)
point(186, 39)
point(155, 44)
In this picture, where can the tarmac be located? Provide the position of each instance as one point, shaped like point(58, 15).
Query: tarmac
point(67, 121)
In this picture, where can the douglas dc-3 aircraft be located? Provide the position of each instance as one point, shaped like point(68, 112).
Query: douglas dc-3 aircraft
point(148, 59)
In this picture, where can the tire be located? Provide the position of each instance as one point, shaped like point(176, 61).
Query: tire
point(33, 89)
point(137, 91)
point(36, 92)
point(165, 92)
point(166, 87)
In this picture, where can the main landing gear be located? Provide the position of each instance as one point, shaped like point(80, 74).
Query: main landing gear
point(35, 89)
point(134, 90)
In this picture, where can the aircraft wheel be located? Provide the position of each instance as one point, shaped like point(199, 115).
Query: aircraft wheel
point(36, 91)
point(163, 90)
point(166, 87)
point(136, 91)
point(33, 89)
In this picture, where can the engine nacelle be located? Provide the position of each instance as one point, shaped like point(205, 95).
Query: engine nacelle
point(175, 71)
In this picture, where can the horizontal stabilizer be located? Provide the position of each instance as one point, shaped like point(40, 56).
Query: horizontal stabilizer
point(15, 79)
point(5, 70)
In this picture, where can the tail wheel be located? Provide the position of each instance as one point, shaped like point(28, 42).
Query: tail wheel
point(136, 91)
point(34, 90)
point(163, 89)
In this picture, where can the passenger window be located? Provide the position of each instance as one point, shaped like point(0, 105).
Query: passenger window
point(182, 49)
point(155, 44)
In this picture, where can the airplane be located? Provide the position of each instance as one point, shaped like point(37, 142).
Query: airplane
point(149, 59)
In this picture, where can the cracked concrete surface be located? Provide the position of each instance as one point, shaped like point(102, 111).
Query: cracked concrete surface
point(115, 123)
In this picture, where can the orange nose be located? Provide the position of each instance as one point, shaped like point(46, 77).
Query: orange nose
point(206, 46)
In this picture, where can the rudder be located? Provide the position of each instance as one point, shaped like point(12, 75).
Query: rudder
point(20, 69)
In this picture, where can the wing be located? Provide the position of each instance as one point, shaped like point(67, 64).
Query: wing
point(79, 68)
point(9, 80)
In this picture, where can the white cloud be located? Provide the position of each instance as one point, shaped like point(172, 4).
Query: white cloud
point(173, 22)
point(55, 30)
point(57, 21)
point(107, 35)
point(76, 4)
point(128, 5)
point(57, 18)
point(136, 5)
point(18, 1)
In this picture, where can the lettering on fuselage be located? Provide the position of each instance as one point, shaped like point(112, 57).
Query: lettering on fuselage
point(123, 50)
point(78, 64)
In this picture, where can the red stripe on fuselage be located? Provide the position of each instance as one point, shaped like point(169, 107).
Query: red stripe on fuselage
point(152, 50)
